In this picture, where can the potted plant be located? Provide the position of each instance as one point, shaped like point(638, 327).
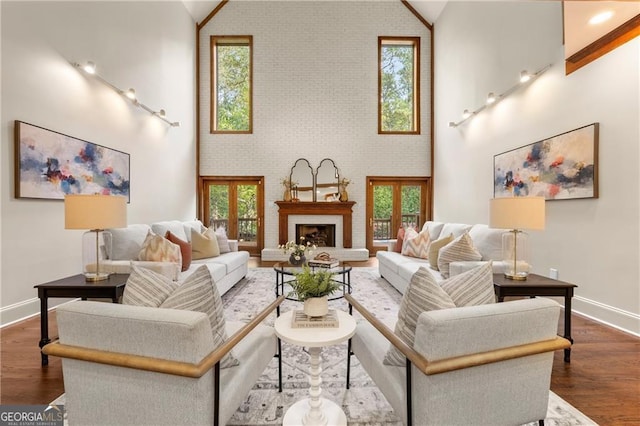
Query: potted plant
point(312, 287)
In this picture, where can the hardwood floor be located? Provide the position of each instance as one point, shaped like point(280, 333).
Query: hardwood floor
point(602, 381)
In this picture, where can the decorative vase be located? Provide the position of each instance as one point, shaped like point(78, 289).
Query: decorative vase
point(297, 262)
point(287, 194)
point(316, 306)
point(344, 195)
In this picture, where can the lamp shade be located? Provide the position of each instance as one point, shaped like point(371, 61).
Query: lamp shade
point(94, 211)
point(517, 213)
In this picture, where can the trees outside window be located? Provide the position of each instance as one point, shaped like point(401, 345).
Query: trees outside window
point(399, 85)
point(231, 85)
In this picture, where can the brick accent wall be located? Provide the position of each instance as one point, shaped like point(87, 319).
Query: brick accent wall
point(314, 96)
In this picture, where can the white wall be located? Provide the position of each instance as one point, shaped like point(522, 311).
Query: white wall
point(594, 243)
point(146, 45)
point(315, 96)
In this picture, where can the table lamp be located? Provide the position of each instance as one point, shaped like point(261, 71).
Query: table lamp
point(96, 213)
point(516, 214)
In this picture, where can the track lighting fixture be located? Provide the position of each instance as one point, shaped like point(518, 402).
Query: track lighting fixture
point(493, 99)
point(90, 68)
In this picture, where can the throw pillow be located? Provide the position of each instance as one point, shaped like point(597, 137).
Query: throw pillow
point(416, 245)
point(423, 294)
point(223, 240)
point(459, 249)
point(147, 288)
point(434, 250)
point(158, 249)
point(204, 245)
point(399, 240)
point(471, 288)
point(200, 294)
point(185, 249)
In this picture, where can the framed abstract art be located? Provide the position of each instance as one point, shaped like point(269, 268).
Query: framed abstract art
point(49, 165)
point(561, 167)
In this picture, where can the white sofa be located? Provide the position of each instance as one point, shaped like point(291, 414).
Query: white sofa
point(398, 269)
point(226, 269)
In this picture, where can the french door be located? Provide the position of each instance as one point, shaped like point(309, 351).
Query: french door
point(237, 204)
point(392, 203)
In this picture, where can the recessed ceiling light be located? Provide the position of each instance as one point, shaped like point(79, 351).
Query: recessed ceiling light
point(601, 17)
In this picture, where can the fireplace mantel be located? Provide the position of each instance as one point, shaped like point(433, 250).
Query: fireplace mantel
point(287, 208)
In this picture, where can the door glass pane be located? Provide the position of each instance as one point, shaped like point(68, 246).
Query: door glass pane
point(247, 213)
point(411, 206)
point(219, 206)
point(382, 211)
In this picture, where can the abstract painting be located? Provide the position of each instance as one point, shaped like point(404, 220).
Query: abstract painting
point(50, 165)
point(561, 167)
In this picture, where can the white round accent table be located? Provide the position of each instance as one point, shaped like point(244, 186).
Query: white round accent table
point(315, 411)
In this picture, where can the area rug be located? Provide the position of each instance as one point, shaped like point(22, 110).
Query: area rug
point(363, 403)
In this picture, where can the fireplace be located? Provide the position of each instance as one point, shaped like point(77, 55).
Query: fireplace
point(320, 234)
point(317, 212)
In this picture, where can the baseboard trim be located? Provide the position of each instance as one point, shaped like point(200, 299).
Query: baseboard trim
point(620, 319)
point(21, 311)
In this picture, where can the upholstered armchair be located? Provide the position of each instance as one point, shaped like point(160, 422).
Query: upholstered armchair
point(132, 365)
point(488, 364)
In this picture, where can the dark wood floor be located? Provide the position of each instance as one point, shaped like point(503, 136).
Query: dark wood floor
point(602, 380)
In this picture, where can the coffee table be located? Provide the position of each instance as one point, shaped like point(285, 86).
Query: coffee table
point(315, 410)
point(285, 273)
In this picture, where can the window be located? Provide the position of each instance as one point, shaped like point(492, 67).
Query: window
point(399, 85)
point(231, 84)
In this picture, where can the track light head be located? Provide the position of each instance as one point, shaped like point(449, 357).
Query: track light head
point(491, 98)
point(89, 68)
point(524, 76)
point(131, 94)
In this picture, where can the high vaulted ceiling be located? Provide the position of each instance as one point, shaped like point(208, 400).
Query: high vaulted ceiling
point(429, 9)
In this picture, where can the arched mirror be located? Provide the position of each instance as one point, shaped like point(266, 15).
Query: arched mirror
point(301, 181)
point(327, 181)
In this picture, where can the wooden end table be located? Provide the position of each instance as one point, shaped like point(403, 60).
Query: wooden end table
point(314, 411)
point(538, 285)
point(75, 286)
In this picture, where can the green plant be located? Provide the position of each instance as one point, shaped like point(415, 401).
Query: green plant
point(313, 283)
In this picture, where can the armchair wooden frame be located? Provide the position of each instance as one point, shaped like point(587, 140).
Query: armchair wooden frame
point(157, 365)
point(449, 364)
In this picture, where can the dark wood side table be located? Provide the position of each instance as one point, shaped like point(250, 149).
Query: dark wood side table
point(75, 286)
point(538, 285)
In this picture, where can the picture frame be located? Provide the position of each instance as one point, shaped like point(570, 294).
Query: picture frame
point(49, 165)
point(561, 167)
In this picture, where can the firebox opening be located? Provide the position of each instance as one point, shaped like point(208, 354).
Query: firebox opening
point(322, 235)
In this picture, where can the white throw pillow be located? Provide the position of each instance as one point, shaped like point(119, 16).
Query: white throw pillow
point(127, 242)
point(175, 226)
point(199, 293)
point(223, 240)
point(423, 294)
point(459, 249)
point(195, 225)
point(471, 288)
point(487, 241)
point(147, 288)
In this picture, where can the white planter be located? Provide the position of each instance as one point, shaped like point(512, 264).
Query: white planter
point(316, 306)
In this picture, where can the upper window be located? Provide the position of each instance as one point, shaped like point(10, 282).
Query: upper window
point(399, 85)
point(231, 81)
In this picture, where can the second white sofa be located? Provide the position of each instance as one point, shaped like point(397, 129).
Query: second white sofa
point(226, 269)
point(398, 269)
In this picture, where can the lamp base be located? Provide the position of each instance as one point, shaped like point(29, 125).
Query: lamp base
point(520, 276)
point(93, 277)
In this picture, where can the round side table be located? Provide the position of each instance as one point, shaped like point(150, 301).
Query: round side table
point(315, 410)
